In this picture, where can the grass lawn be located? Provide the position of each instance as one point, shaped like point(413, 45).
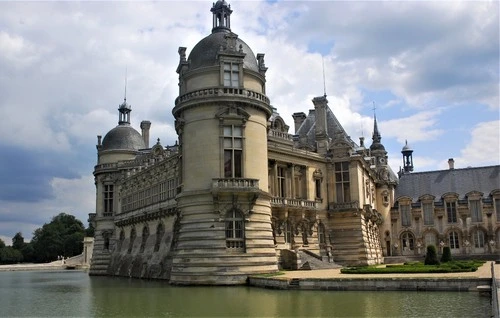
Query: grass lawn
point(416, 267)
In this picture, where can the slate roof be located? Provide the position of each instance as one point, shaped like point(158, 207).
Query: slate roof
point(123, 137)
point(308, 128)
point(460, 181)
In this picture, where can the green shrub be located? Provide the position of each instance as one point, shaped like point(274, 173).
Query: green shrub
point(431, 256)
point(446, 257)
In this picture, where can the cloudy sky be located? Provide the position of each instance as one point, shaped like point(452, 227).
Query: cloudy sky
point(431, 69)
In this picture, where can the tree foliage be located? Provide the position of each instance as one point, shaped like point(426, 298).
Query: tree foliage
point(2, 243)
point(18, 241)
point(431, 257)
point(446, 257)
point(9, 255)
point(63, 236)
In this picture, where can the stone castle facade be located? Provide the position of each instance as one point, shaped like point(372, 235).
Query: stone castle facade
point(238, 194)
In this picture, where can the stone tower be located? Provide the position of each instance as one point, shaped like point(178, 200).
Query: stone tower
point(221, 115)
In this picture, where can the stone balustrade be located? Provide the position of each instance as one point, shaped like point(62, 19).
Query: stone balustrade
point(288, 202)
point(343, 206)
point(221, 92)
point(235, 184)
point(280, 135)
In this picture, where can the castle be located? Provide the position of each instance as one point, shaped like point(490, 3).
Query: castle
point(238, 194)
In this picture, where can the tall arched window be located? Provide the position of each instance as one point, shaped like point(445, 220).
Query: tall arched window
point(235, 230)
point(122, 238)
point(131, 243)
point(478, 239)
point(160, 230)
point(145, 235)
point(321, 234)
point(453, 240)
point(407, 241)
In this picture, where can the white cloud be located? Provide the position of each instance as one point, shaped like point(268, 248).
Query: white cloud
point(418, 127)
point(483, 147)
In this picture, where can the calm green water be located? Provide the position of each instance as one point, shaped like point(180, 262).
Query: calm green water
point(74, 293)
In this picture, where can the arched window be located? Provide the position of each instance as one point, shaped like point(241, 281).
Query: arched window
point(430, 239)
point(288, 232)
point(235, 228)
point(453, 240)
point(145, 235)
point(132, 238)
point(321, 234)
point(478, 239)
point(407, 241)
point(122, 238)
point(160, 230)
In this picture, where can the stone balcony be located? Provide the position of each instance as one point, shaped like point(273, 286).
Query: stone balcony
point(235, 185)
point(344, 206)
point(293, 203)
point(221, 92)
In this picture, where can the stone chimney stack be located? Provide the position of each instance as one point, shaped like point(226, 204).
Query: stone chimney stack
point(145, 125)
point(320, 105)
point(298, 119)
point(451, 163)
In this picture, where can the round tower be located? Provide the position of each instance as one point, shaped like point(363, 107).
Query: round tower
point(224, 231)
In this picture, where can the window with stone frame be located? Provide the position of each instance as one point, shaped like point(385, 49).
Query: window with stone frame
point(428, 210)
point(231, 74)
point(321, 233)
point(145, 235)
point(453, 240)
point(160, 230)
point(108, 199)
point(405, 210)
point(233, 151)
point(497, 209)
point(235, 230)
point(318, 178)
point(407, 241)
point(288, 232)
point(475, 210)
point(120, 242)
point(451, 211)
point(132, 239)
point(281, 178)
point(342, 182)
point(478, 239)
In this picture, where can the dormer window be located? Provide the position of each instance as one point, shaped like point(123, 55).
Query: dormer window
point(231, 74)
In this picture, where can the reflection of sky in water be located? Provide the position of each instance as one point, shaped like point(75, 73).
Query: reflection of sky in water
point(73, 293)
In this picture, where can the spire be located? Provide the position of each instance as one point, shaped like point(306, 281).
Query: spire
point(376, 137)
point(124, 109)
point(407, 158)
point(221, 16)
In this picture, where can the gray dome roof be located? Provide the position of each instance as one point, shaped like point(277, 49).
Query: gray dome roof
point(205, 52)
point(123, 137)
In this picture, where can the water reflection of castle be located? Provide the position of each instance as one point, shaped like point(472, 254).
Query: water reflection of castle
point(238, 194)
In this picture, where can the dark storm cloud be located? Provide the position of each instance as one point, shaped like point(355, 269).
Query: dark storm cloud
point(26, 175)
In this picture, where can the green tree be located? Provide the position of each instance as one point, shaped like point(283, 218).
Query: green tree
point(2, 243)
point(446, 257)
point(431, 257)
point(18, 241)
point(9, 255)
point(62, 236)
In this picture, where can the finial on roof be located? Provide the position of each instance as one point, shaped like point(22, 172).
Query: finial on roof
point(324, 81)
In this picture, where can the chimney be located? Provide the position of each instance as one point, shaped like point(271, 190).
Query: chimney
point(145, 125)
point(320, 107)
point(451, 163)
point(298, 119)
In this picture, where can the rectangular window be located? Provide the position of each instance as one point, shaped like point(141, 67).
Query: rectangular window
point(231, 75)
point(428, 213)
point(108, 199)
point(405, 215)
point(475, 211)
point(451, 211)
point(318, 188)
point(233, 151)
point(281, 182)
point(342, 185)
point(497, 208)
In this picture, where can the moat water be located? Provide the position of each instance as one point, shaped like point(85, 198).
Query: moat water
point(75, 294)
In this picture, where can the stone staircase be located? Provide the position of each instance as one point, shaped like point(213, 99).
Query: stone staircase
point(311, 261)
point(100, 263)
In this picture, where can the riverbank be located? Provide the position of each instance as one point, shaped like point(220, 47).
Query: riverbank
point(333, 279)
point(56, 265)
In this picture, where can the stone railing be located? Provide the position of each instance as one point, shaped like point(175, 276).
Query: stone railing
point(221, 91)
point(288, 202)
point(235, 184)
point(280, 135)
point(344, 206)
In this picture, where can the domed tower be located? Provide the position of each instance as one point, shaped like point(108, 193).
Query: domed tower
point(121, 143)
point(221, 117)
